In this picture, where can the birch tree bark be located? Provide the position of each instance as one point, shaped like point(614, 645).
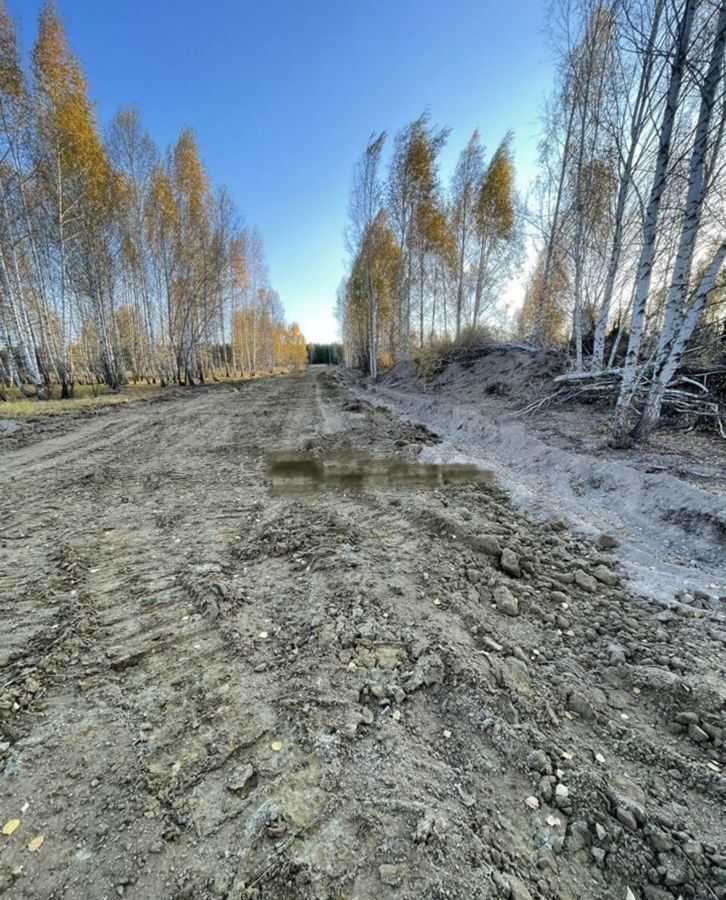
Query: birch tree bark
point(650, 226)
point(363, 208)
point(671, 340)
point(638, 121)
point(587, 81)
point(696, 190)
point(651, 411)
point(553, 230)
point(12, 288)
point(464, 188)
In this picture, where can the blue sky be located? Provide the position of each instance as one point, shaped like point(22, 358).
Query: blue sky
point(283, 95)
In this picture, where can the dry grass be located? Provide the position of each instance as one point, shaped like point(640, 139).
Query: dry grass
point(434, 358)
point(85, 396)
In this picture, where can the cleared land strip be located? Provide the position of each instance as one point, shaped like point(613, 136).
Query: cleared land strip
point(208, 691)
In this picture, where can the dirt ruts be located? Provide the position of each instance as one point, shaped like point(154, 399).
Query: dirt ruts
point(209, 690)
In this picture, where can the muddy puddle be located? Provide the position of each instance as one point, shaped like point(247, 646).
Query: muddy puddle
point(303, 472)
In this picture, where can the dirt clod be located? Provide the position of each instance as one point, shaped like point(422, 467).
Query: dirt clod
point(505, 601)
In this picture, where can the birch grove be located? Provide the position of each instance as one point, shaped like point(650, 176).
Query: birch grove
point(427, 264)
point(117, 262)
point(640, 105)
point(625, 221)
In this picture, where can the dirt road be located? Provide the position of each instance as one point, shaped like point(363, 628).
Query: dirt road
point(208, 691)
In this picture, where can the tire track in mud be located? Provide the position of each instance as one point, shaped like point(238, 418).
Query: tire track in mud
point(313, 696)
point(147, 629)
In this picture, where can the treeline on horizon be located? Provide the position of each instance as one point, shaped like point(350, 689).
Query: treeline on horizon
point(325, 354)
point(626, 219)
point(117, 261)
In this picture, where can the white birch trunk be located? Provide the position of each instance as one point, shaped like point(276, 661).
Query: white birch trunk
point(480, 279)
point(651, 411)
point(680, 277)
point(18, 313)
point(13, 372)
point(552, 236)
point(650, 226)
point(638, 121)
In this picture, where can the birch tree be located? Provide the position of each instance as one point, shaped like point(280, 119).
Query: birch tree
point(78, 184)
point(134, 156)
point(363, 208)
point(589, 73)
point(680, 319)
point(497, 233)
point(114, 259)
point(17, 259)
point(555, 153)
point(679, 55)
point(631, 120)
point(412, 197)
point(465, 193)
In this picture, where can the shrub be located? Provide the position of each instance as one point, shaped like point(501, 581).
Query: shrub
point(436, 356)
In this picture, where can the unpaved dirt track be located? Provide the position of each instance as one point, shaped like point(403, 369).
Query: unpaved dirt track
point(207, 691)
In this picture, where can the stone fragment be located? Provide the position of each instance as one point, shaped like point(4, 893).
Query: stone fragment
point(240, 778)
point(506, 602)
point(512, 674)
point(489, 544)
point(538, 761)
point(605, 575)
point(625, 794)
point(389, 874)
point(429, 670)
point(578, 836)
point(585, 581)
point(579, 704)
point(697, 734)
point(509, 563)
point(626, 818)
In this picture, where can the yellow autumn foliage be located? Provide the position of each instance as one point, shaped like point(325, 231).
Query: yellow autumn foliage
point(66, 114)
point(495, 206)
point(553, 314)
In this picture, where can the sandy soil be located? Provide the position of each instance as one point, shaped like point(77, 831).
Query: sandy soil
point(211, 691)
point(665, 502)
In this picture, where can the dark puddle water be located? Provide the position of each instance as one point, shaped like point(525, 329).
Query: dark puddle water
point(301, 472)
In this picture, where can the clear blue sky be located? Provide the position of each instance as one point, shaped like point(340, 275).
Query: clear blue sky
point(283, 95)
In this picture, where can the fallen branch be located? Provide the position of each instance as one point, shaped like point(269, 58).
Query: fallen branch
point(685, 395)
point(587, 376)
